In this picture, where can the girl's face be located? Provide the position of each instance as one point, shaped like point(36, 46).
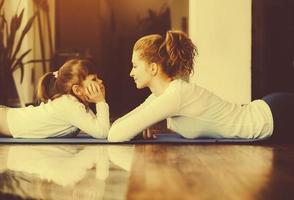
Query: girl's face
point(140, 72)
point(80, 90)
point(92, 78)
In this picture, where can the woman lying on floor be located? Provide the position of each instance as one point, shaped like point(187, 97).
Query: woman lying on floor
point(65, 97)
point(164, 66)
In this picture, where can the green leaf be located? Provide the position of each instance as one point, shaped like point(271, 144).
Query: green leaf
point(1, 4)
point(5, 26)
point(18, 61)
point(23, 33)
point(29, 24)
point(16, 21)
point(38, 61)
point(2, 27)
point(15, 24)
point(21, 66)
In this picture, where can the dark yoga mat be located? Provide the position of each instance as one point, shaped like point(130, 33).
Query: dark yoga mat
point(161, 138)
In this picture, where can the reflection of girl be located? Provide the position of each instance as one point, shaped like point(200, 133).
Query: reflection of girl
point(68, 172)
point(65, 97)
point(53, 163)
point(164, 65)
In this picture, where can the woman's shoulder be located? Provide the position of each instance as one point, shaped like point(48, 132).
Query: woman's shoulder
point(189, 90)
point(183, 85)
point(182, 82)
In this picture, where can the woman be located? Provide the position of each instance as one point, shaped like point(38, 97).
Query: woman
point(164, 66)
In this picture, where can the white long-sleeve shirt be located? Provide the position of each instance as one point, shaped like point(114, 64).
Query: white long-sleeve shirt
point(193, 111)
point(57, 118)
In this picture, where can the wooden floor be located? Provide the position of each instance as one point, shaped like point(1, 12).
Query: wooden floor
point(214, 171)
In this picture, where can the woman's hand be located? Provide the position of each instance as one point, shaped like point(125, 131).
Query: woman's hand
point(95, 92)
point(149, 133)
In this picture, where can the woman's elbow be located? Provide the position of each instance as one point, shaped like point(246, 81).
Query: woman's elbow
point(102, 133)
point(114, 136)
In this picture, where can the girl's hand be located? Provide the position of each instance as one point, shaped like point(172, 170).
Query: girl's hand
point(95, 92)
point(102, 89)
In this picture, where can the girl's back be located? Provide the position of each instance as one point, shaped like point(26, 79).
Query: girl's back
point(45, 119)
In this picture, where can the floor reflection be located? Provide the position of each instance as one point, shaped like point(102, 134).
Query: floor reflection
point(64, 172)
point(201, 171)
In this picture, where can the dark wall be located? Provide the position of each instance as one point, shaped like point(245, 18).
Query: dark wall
point(272, 47)
point(105, 31)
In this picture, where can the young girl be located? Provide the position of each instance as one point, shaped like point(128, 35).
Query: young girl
point(65, 97)
point(164, 66)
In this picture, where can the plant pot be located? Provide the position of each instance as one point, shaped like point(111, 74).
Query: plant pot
point(8, 93)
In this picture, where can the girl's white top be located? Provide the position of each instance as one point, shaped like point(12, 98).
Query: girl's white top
point(193, 111)
point(57, 118)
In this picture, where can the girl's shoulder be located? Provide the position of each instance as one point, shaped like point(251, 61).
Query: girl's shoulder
point(67, 100)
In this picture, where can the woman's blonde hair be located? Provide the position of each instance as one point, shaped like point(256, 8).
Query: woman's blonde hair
point(175, 53)
point(55, 84)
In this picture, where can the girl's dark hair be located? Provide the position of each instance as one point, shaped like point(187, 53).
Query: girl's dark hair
point(175, 53)
point(73, 72)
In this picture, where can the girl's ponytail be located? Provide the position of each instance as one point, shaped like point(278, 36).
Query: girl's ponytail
point(53, 85)
point(46, 87)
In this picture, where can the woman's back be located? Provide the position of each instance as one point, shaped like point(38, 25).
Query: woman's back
point(202, 113)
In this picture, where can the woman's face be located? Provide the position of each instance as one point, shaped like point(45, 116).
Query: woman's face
point(140, 72)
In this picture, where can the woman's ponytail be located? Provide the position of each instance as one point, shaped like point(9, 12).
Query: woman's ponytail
point(46, 87)
point(180, 52)
point(175, 53)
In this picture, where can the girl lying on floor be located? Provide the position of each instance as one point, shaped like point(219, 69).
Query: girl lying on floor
point(65, 96)
point(164, 66)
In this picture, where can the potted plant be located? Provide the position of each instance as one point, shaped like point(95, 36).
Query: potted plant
point(155, 22)
point(11, 40)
